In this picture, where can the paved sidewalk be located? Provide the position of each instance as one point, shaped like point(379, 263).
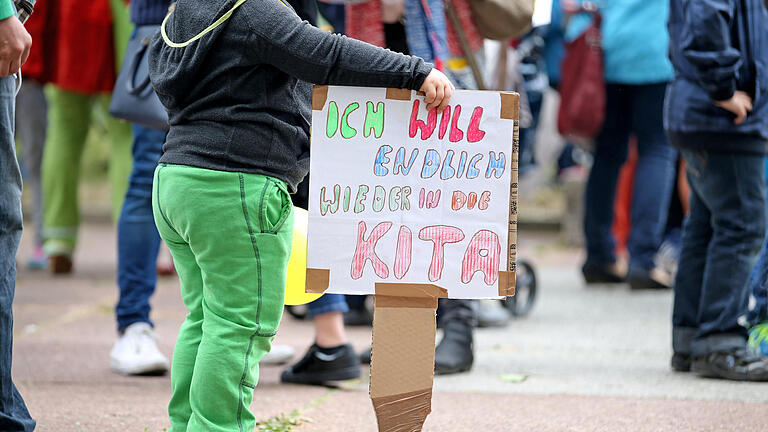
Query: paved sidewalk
point(593, 359)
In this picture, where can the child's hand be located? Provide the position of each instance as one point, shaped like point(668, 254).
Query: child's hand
point(437, 89)
point(739, 104)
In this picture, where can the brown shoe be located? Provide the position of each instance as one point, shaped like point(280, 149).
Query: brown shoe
point(60, 264)
point(165, 269)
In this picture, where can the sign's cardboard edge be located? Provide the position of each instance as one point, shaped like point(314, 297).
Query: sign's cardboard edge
point(318, 280)
point(319, 96)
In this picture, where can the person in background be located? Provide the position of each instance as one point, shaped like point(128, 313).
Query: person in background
point(458, 317)
point(32, 115)
point(330, 357)
point(715, 114)
point(88, 36)
point(533, 68)
point(16, 43)
point(636, 69)
point(757, 318)
point(138, 242)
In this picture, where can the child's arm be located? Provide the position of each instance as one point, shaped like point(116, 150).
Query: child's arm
point(312, 55)
point(706, 44)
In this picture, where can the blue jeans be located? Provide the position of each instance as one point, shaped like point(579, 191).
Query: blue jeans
point(630, 110)
point(13, 412)
point(721, 239)
point(137, 239)
point(326, 304)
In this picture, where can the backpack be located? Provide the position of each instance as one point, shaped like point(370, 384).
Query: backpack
point(582, 86)
point(502, 19)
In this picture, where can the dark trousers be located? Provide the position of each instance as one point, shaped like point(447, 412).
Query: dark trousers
point(630, 110)
point(457, 310)
point(721, 239)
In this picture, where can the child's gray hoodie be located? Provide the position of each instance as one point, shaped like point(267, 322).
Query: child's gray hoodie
point(239, 98)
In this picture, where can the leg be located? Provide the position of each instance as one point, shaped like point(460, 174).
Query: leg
point(655, 174)
point(732, 186)
point(120, 157)
point(191, 331)
point(69, 118)
point(327, 314)
point(610, 154)
point(32, 122)
point(138, 243)
point(137, 239)
point(454, 353)
point(331, 357)
point(13, 412)
point(528, 135)
point(697, 234)
point(243, 266)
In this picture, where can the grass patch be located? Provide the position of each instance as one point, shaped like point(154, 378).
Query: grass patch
point(282, 422)
point(286, 423)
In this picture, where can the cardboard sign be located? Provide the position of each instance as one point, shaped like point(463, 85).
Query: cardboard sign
point(400, 195)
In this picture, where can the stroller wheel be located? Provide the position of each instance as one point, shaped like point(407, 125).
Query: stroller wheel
point(525, 290)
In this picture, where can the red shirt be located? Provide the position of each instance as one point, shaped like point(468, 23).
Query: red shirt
point(42, 55)
point(85, 59)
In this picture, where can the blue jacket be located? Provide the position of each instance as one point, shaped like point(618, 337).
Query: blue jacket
point(717, 47)
point(635, 40)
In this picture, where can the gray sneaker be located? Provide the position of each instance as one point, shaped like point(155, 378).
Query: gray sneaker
point(736, 365)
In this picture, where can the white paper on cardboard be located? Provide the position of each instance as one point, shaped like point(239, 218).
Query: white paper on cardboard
point(402, 195)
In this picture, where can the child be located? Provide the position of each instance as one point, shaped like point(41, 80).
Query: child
point(716, 112)
point(235, 78)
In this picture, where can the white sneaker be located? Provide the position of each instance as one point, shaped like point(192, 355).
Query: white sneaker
point(279, 354)
point(136, 352)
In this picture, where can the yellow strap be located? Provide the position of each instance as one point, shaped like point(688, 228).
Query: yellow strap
point(210, 28)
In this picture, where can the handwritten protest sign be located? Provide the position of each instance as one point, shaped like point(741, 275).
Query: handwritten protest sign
point(402, 195)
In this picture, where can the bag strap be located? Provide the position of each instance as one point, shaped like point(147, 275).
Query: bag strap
point(209, 29)
point(464, 42)
point(130, 84)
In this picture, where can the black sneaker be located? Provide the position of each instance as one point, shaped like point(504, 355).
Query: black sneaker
point(737, 365)
point(318, 366)
point(610, 273)
point(365, 356)
point(681, 362)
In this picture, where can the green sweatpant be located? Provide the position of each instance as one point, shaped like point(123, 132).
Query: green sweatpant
point(69, 120)
point(230, 235)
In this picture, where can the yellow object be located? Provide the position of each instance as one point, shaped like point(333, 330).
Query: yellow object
point(457, 63)
point(297, 266)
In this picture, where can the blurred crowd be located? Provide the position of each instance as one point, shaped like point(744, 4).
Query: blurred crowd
point(673, 164)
